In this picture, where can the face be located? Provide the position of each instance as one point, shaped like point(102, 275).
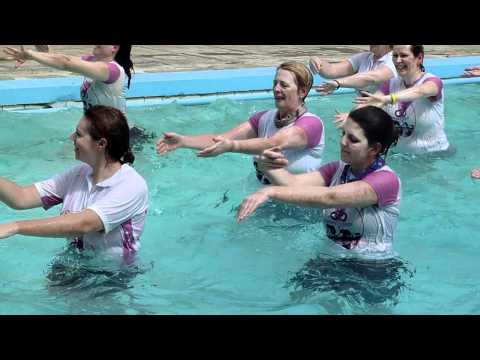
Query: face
point(354, 146)
point(404, 60)
point(86, 149)
point(379, 50)
point(104, 51)
point(286, 92)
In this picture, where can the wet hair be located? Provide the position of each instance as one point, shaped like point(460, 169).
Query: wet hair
point(418, 50)
point(111, 124)
point(378, 127)
point(303, 76)
point(123, 58)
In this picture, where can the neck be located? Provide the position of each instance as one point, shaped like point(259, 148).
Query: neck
point(358, 169)
point(102, 170)
point(414, 76)
point(285, 111)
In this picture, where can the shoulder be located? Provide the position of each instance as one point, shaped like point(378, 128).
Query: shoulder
point(132, 180)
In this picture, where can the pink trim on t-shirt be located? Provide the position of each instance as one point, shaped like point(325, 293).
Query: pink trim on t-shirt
point(313, 128)
point(113, 73)
point(385, 88)
point(439, 84)
point(50, 201)
point(385, 184)
point(328, 170)
point(254, 120)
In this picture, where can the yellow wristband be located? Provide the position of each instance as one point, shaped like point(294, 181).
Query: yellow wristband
point(393, 99)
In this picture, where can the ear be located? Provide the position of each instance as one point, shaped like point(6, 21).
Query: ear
point(115, 48)
point(376, 149)
point(302, 92)
point(102, 143)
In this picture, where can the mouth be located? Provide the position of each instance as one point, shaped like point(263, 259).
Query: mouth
point(401, 67)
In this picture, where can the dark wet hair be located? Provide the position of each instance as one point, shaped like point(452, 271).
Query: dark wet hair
point(418, 50)
point(111, 124)
point(378, 127)
point(123, 57)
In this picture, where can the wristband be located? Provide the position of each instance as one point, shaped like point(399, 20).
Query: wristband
point(338, 84)
point(393, 99)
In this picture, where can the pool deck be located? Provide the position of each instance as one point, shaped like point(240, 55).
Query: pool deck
point(171, 58)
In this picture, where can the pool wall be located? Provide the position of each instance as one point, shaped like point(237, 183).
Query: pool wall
point(189, 88)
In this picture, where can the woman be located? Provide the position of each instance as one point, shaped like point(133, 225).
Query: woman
point(104, 201)
point(107, 71)
point(364, 71)
point(289, 126)
point(360, 195)
point(415, 101)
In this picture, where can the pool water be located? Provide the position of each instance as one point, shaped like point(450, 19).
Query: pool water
point(195, 259)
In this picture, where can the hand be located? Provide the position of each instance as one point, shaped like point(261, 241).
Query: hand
point(170, 141)
point(222, 145)
point(8, 229)
point(472, 71)
point(20, 56)
point(327, 87)
point(369, 99)
point(252, 202)
point(272, 159)
point(316, 64)
point(340, 119)
point(476, 173)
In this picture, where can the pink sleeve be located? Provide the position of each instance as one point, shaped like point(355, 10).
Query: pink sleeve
point(255, 119)
point(313, 128)
point(113, 73)
point(328, 170)
point(88, 57)
point(439, 84)
point(385, 184)
point(385, 88)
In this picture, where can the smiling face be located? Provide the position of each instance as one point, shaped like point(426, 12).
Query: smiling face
point(354, 146)
point(288, 97)
point(86, 149)
point(405, 61)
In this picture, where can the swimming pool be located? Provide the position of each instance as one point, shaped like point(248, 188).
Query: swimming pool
point(195, 259)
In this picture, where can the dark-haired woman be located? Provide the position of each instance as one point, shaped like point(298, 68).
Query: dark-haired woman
point(104, 200)
point(415, 101)
point(107, 71)
point(360, 194)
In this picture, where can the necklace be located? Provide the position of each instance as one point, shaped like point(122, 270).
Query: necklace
point(348, 176)
point(290, 118)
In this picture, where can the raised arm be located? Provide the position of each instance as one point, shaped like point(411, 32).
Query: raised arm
point(19, 197)
point(357, 194)
point(329, 70)
point(94, 70)
point(426, 90)
point(358, 81)
point(68, 225)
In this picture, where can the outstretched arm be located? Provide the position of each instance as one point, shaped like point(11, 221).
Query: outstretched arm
point(68, 225)
point(330, 70)
point(356, 194)
point(94, 70)
point(19, 197)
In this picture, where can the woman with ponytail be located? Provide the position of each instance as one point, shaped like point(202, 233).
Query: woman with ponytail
point(104, 200)
point(108, 71)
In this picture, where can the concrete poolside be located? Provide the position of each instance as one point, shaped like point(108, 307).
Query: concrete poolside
point(168, 58)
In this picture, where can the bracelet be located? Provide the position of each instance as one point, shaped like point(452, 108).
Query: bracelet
point(338, 84)
point(393, 99)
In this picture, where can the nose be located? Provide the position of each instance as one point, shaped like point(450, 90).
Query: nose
point(276, 88)
point(343, 141)
point(72, 137)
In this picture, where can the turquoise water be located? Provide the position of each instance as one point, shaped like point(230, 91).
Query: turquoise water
point(196, 260)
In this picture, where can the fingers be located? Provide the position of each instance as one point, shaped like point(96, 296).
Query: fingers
point(476, 174)
point(248, 206)
point(209, 151)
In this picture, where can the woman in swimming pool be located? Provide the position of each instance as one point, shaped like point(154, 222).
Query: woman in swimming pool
point(289, 126)
point(360, 194)
point(415, 101)
point(104, 200)
point(107, 71)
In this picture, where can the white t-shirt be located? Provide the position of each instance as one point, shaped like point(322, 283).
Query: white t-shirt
point(120, 201)
point(364, 62)
point(365, 232)
point(421, 121)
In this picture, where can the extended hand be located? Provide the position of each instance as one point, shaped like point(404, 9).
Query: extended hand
point(8, 229)
point(476, 173)
point(371, 100)
point(472, 71)
point(169, 142)
point(327, 87)
point(316, 64)
point(340, 119)
point(252, 202)
point(272, 159)
point(222, 145)
point(20, 56)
